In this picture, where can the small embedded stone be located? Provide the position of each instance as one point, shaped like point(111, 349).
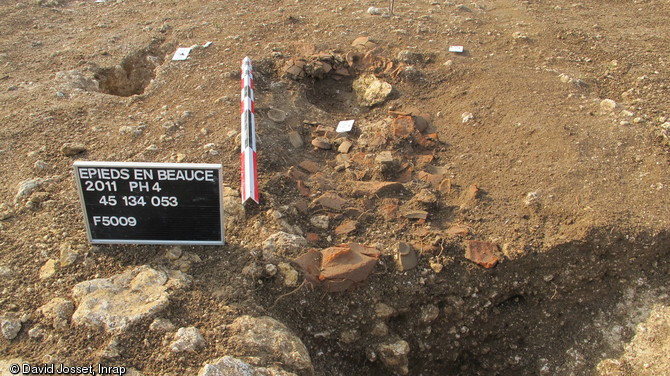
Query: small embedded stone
point(519, 35)
point(389, 210)
point(473, 192)
point(384, 311)
point(445, 186)
point(363, 188)
point(467, 117)
point(364, 42)
point(310, 166)
point(421, 122)
point(294, 69)
point(410, 57)
point(349, 336)
point(395, 356)
point(68, 255)
point(322, 143)
point(269, 270)
point(457, 230)
point(49, 269)
point(375, 11)
point(415, 214)
point(608, 105)
point(345, 146)
point(406, 256)
point(58, 312)
point(429, 313)
point(385, 158)
point(11, 326)
point(331, 200)
point(371, 91)
point(338, 268)
point(70, 149)
point(436, 265)
point(187, 339)
point(173, 253)
point(346, 227)
point(278, 116)
point(320, 221)
point(425, 196)
point(403, 126)
point(380, 330)
point(295, 139)
point(161, 325)
point(482, 253)
point(290, 275)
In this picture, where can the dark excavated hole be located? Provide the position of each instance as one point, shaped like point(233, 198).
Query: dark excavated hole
point(546, 314)
point(349, 83)
point(264, 73)
point(512, 301)
point(135, 72)
point(333, 96)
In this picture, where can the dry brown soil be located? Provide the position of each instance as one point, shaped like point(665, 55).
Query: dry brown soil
point(581, 264)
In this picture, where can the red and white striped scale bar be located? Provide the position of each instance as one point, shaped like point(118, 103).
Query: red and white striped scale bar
point(248, 150)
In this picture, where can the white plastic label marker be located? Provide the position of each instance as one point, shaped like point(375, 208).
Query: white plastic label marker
point(344, 126)
point(248, 148)
point(458, 49)
point(182, 53)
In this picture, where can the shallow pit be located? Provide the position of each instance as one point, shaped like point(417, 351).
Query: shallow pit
point(559, 312)
point(135, 72)
point(333, 96)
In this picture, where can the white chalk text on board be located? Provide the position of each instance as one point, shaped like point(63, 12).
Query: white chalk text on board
point(151, 203)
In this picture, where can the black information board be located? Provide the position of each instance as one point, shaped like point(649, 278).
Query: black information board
point(151, 203)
